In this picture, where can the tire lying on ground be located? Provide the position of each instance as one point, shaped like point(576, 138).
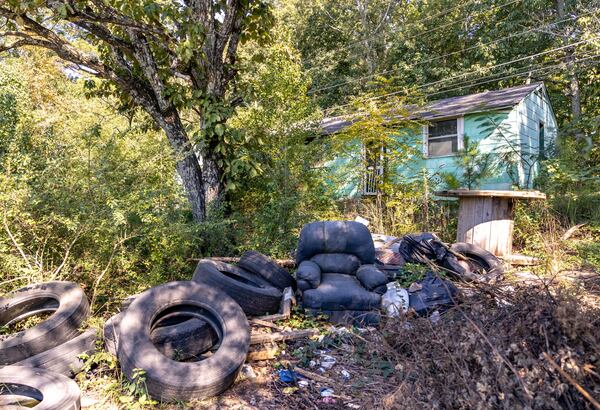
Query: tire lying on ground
point(179, 337)
point(169, 380)
point(254, 294)
point(53, 391)
point(64, 358)
point(482, 265)
point(71, 309)
point(266, 267)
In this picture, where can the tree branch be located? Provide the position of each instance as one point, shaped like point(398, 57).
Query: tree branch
point(14, 241)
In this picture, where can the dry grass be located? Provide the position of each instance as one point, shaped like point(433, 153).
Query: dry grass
point(487, 352)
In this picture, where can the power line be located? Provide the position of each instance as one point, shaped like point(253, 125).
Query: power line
point(422, 86)
point(443, 12)
point(464, 84)
point(513, 61)
point(526, 72)
point(310, 92)
point(311, 60)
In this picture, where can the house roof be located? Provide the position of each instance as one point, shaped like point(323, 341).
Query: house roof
point(454, 106)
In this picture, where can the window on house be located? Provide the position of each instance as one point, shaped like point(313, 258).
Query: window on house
point(442, 138)
point(541, 142)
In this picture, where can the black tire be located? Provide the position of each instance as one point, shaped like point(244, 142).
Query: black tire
point(266, 268)
point(254, 294)
point(178, 338)
point(484, 266)
point(111, 333)
point(169, 380)
point(62, 326)
point(64, 359)
point(53, 391)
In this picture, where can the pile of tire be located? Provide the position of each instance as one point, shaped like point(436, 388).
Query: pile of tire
point(191, 338)
point(38, 361)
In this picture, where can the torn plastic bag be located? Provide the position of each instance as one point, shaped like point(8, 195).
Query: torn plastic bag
point(395, 300)
point(422, 248)
point(435, 293)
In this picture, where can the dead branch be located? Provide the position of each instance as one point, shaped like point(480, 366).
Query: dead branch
point(106, 268)
point(572, 381)
point(15, 243)
point(67, 253)
point(571, 231)
point(499, 355)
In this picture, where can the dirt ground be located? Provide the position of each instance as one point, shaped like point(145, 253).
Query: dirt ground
point(373, 368)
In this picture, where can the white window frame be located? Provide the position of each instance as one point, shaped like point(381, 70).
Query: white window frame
point(460, 136)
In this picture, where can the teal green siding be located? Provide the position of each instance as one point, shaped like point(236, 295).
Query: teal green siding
point(495, 130)
point(535, 108)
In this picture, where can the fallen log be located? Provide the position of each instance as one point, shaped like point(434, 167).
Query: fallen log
point(522, 260)
point(571, 231)
point(285, 309)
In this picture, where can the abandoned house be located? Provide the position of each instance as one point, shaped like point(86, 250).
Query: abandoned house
point(515, 127)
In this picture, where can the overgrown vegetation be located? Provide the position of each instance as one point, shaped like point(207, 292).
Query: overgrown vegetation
point(90, 190)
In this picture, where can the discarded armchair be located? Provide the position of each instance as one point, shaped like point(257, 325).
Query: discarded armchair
point(336, 275)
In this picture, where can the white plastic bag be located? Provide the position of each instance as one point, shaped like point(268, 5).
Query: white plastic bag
point(394, 300)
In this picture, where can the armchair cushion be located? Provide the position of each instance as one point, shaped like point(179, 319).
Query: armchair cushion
point(371, 277)
point(336, 237)
point(340, 292)
point(336, 262)
point(308, 275)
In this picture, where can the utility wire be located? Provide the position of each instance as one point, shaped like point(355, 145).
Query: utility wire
point(451, 23)
point(515, 75)
point(331, 86)
point(441, 13)
point(468, 83)
point(511, 61)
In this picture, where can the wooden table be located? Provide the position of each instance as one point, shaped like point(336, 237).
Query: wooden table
point(486, 217)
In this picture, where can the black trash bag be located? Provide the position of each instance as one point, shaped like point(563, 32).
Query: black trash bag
point(435, 294)
point(422, 248)
point(477, 264)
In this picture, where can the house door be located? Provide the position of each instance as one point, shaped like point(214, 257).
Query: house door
point(372, 177)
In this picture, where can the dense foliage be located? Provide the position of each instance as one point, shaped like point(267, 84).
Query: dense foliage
point(89, 188)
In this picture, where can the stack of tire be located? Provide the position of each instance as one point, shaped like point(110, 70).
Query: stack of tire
point(37, 362)
point(256, 283)
point(191, 338)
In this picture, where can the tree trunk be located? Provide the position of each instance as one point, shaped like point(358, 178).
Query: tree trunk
point(363, 10)
point(191, 175)
point(187, 164)
point(574, 92)
point(214, 185)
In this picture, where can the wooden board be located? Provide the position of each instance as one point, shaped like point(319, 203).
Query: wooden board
point(492, 193)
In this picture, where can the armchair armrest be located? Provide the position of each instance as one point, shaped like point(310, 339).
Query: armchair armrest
point(308, 275)
point(372, 278)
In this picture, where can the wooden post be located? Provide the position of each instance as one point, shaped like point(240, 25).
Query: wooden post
point(486, 222)
point(486, 218)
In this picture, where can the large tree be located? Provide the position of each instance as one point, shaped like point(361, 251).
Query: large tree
point(173, 59)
